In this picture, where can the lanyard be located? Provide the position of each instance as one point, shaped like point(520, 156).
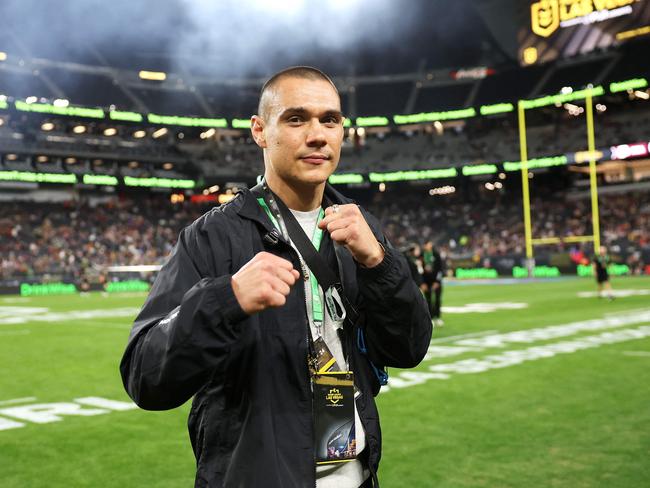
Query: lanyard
point(316, 239)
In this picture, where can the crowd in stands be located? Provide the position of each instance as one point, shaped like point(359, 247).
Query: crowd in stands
point(77, 240)
point(491, 226)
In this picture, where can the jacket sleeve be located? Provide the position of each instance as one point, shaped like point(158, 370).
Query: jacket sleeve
point(398, 325)
point(183, 329)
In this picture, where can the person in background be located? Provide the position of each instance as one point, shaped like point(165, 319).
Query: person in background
point(432, 280)
point(600, 262)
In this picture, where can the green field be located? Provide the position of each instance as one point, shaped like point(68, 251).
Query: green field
point(495, 404)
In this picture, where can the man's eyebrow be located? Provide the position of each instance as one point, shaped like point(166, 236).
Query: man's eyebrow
point(303, 111)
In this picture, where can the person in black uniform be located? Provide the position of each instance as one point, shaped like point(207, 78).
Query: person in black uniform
point(238, 321)
point(432, 279)
point(600, 263)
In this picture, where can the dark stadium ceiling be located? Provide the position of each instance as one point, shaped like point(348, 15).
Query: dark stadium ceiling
point(249, 39)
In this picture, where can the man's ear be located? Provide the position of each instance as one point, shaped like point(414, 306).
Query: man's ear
point(257, 131)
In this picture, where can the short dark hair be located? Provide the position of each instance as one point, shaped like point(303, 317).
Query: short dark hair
point(306, 72)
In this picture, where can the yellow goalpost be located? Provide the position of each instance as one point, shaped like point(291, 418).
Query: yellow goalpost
point(530, 241)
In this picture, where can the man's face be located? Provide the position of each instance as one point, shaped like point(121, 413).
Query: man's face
point(301, 131)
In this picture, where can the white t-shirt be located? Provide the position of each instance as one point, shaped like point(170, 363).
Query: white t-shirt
point(341, 475)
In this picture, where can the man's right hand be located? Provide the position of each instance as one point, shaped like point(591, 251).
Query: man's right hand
point(263, 282)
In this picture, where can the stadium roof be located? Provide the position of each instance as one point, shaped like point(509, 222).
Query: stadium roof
point(252, 39)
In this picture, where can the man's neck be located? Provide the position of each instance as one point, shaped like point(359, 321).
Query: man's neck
point(303, 198)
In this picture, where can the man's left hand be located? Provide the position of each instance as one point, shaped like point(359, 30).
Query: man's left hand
point(346, 225)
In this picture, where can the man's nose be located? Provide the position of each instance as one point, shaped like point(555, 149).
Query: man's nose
point(316, 134)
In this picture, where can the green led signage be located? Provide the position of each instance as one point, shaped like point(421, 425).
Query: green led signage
point(46, 108)
point(434, 116)
point(371, 121)
point(479, 169)
point(3, 104)
point(537, 163)
point(475, 273)
point(426, 174)
point(100, 180)
point(27, 290)
point(612, 269)
point(347, 123)
point(562, 98)
point(538, 272)
point(125, 116)
point(343, 178)
point(240, 123)
point(186, 121)
point(497, 108)
point(626, 85)
point(127, 286)
point(37, 177)
point(158, 182)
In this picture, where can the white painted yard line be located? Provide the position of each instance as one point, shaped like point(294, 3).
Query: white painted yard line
point(16, 300)
point(504, 359)
point(631, 311)
point(18, 400)
point(642, 354)
point(462, 336)
point(15, 332)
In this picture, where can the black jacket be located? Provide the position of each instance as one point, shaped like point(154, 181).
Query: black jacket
point(251, 418)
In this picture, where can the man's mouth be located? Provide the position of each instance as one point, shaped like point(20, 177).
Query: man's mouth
point(315, 158)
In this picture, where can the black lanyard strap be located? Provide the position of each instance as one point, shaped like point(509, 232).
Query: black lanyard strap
point(335, 297)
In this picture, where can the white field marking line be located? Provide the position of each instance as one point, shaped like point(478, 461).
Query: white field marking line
point(484, 307)
point(108, 325)
point(642, 354)
point(462, 336)
point(615, 293)
point(15, 332)
point(627, 312)
point(505, 359)
point(528, 336)
point(18, 400)
point(38, 316)
point(16, 300)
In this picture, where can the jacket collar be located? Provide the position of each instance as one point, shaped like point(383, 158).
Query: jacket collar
point(251, 209)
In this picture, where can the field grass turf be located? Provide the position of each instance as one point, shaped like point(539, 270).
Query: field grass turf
point(579, 419)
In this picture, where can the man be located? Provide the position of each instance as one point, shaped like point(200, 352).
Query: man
point(232, 321)
point(432, 281)
point(600, 263)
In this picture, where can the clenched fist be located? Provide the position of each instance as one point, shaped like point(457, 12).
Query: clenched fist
point(263, 282)
point(346, 225)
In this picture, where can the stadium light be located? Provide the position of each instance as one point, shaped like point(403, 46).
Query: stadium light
point(642, 94)
point(208, 133)
point(47, 126)
point(159, 133)
point(110, 131)
point(42, 159)
point(139, 134)
point(153, 75)
point(168, 166)
point(31, 100)
point(3, 56)
point(70, 160)
point(61, 102)
point(442, 190)
point(79, 129)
